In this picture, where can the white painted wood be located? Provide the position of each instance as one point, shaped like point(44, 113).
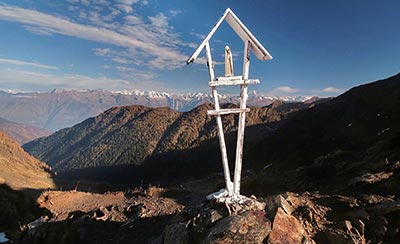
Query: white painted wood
point(233, 82)
point(228, 111)
point(210, 64)
point(242, 121)
point(241, 30)
point(207, 39)
point(251, 44)
point(246, 60)
point(256, 47)
point(223, 78)
point(224, 155)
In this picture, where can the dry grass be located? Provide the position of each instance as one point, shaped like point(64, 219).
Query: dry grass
point(19, 170)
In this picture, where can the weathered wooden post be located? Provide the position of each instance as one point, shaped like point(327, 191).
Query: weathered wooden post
point(232, 191)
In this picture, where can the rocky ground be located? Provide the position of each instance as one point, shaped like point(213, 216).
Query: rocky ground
point(159, 215)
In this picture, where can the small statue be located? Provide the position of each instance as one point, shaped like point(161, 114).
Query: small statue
point(228, 62)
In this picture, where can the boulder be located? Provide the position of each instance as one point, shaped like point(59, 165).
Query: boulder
point(286, 229)
point(250, 227)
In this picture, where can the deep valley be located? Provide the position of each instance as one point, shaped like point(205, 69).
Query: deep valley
point(322, 171)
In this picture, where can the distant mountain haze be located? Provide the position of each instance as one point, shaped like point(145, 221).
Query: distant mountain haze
point(21, 133)
point(60, 108)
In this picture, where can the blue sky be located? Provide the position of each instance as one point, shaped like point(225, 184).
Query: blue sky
point(319, 47)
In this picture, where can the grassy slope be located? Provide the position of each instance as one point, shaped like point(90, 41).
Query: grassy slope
point(20, 170)
point(21, 133)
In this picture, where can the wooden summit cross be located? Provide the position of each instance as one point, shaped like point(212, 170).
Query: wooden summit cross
point(232, 191)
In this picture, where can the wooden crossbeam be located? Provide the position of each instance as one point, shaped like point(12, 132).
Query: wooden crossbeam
point(230, 82)
point(224, 78)
point(227, 111)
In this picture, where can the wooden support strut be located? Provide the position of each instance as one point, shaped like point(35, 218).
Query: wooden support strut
point(231, 81)
point(242, 121)
point(227, 111)
point(221, 137)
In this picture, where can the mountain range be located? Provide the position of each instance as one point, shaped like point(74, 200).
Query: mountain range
point(64, 108)
point(333, 137)
point(134, 135)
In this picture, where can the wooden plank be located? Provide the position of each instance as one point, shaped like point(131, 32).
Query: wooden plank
point(207, 39)
point(257, 48)
point(210, 64)
point(233, 82)
point(224, 78)
point(228, 111)
point(246, 60)
point(241, 30)
point(221, 137)
point(242, 122)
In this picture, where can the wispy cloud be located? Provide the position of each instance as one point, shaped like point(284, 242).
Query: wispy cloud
point(103, 52)
point(136, 74)
point(284, 90)
point(126, 5)
point(199, 36)
point(290, 91)
point(154, 43)
point(25, 80)
point(106, 66)
point(175, 12)
point(38, 30)
point(133, 20)
point(331, 89)
point(24, 63)
point(120, 60)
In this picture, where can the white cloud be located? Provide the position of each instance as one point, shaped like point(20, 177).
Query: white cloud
point(120, 60)
point(197, 35)
point(38, 30)
point(24, 63)
point(331, 89)
point(152, 45)
point(119, 57)
point(125, 8)
point(73, 8)
point(102, 51)
point(133, 73)
point(25, 80)
point(100, 20)
point(133, 20)
point(85, 2)
point(113, 14)
point(32, 74)
point(126, 5)
point(159, 21)
point(284, 90)
point(130, 2)
point(175, 12)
